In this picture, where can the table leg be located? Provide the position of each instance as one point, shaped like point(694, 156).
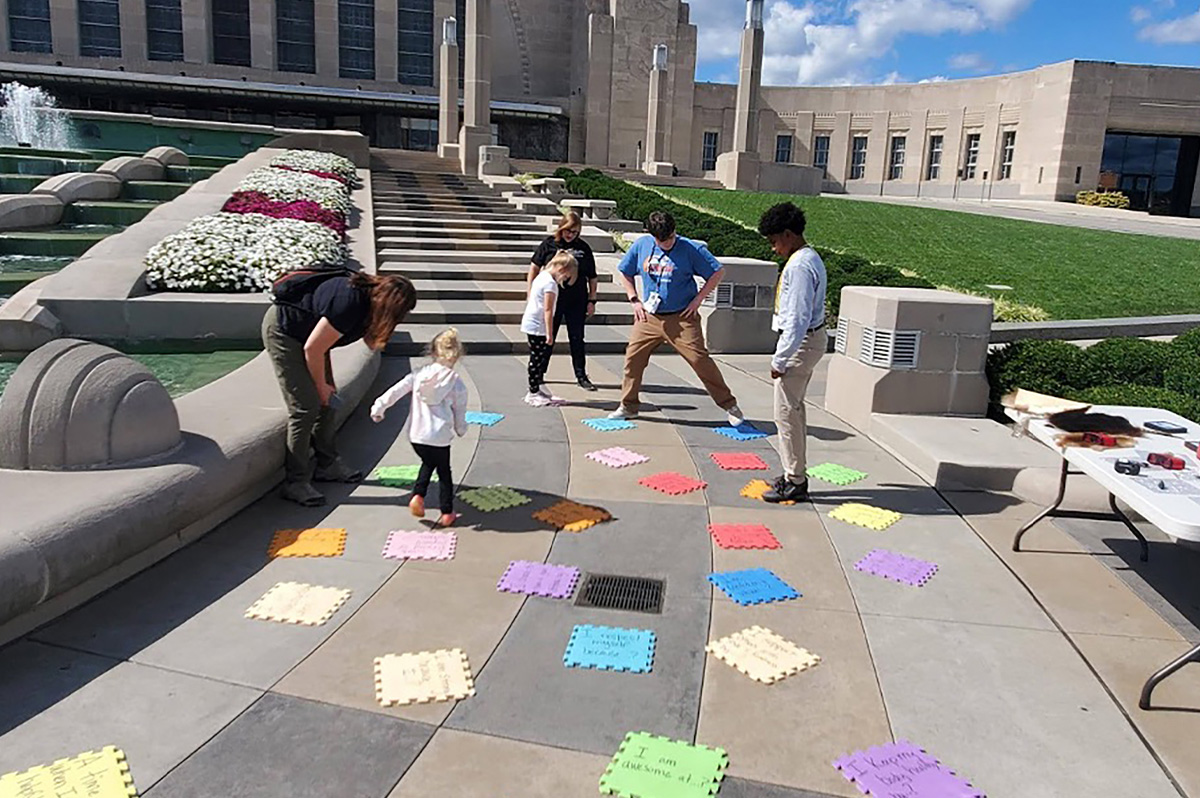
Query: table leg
point(1062, 491)
point(1167, 670)
point(1112, 502)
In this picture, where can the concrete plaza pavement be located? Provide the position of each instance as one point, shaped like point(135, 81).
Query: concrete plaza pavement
point(1020, 671)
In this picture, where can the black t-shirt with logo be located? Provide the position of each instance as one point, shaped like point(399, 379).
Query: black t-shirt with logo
point(576, 294)
point(347, 308)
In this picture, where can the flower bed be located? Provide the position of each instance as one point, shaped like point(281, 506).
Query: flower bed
point(290, 215)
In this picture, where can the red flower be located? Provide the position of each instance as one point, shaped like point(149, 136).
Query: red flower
point(304, 210)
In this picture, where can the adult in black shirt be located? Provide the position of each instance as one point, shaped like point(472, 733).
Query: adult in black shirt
point(576, 302)
point(322, 312)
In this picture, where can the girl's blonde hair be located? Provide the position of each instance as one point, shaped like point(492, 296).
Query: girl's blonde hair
point(447, 348)
point(564, 264)
point(570, 221)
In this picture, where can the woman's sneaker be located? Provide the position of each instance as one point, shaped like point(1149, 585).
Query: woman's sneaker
point(735, 416)
point(586, 384)
point(536, 400)
point(416, 506)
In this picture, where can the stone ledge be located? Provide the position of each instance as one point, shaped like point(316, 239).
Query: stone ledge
point(1094, 329)
point(69, 536)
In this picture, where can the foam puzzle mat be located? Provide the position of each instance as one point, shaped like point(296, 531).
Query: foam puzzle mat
point(420, 545)
point(755, 489)
point(423, 677)
point(298, 603)
point(571, 516)
point(897, 567)
point(484, 419)
point(743, 432)
point(649, 765)
point(739, 461)
point(98, 774)
point(762, 655)
point(672, 483)
point(609, 648)
point(743, 536)
point(494, 498)
point(901, 768)
point(609, 424)
point(617, 457)
point(539, 579)
point(865, 515)
point(753, 586)
point(402, 476)
point(307, 543)
point(836, 474)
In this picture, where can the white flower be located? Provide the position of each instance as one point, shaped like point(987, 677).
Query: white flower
point(314, 161)
point(287, 186)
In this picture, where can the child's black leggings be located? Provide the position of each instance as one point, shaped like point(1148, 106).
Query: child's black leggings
point(435, 458)
point(539, 361)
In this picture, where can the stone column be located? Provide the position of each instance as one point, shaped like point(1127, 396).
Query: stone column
point(262, 34)
point(448, 91)
point(477, 101)
point(64, 27)
point(599, 88)
point(656, 116)
point(326, 47)
point(134, 47)
point(739, 169)
point(386, 46)
point(197, 20)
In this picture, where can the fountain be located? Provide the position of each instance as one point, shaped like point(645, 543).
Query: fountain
point(31, 118)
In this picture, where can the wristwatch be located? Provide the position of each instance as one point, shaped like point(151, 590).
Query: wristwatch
point(635, 300)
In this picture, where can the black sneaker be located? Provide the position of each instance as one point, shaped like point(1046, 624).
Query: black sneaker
point(586, 384)
point(784, 490)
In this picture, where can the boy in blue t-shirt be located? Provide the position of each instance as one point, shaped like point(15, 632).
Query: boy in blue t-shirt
point(668, 310)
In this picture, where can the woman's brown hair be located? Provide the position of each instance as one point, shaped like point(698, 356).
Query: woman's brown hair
point(392, 298)
point(570, 221)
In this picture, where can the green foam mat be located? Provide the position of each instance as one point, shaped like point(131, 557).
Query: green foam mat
point(648, 765)
point(398, 476)
point(493, 498)
point(837, 474)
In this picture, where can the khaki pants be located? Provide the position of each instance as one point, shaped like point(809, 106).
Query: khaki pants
point(790, 415)
point(311, 425)
point(687, 338)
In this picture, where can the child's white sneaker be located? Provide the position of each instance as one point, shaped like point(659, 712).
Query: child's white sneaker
point(536, 400)
point(544, 390)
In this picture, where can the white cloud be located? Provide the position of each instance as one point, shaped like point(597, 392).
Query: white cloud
point(1181, 30)
point(969, 62)
point(1140, 14)
point(831, 43)
point(934, 79)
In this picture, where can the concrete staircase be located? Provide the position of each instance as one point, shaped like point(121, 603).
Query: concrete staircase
point(468, 251)
point(632, 175)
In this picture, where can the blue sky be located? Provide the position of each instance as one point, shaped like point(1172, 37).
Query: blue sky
point(827, 42)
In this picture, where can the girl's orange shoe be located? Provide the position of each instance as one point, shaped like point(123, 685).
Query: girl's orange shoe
point(417, 506)
point(447, 519)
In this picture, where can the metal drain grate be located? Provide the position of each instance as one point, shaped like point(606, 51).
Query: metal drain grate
point(629, 593)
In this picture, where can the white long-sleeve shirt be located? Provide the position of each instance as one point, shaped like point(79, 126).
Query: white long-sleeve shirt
point(439, 404)
point(799, 304)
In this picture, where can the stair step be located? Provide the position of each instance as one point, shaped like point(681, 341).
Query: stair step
point(459, 244)
point(387, 209)
point(441, 224)
point(400, 231)
point(458, 272)
point(493, 290)
point(412, 340)
point(474, 311)
point(443, 257)
point(403, 194)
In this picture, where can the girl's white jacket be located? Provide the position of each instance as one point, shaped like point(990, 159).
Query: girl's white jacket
point(439, 404)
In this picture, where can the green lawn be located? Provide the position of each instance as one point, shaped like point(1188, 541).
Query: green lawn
point(1070, 272)
point(179, 373)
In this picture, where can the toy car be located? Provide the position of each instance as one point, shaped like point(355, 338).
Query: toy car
point(1099, 439)
point(1129, 467)
point(1168, 461)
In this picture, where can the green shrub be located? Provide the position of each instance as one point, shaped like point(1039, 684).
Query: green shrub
point(1141, 396)
point(1052, 367)
point(1183, 375)
point(1189, 342)
point(1103, 199)
point(1126, 361)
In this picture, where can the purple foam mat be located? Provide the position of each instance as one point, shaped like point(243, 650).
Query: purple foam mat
point(901, 768)
point(539, 579)
point(897, 567)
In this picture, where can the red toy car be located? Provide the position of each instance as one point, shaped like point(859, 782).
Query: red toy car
point(1099, 439)
point(1168, 461)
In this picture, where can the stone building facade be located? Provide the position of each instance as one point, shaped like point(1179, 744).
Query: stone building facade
point(571, 82)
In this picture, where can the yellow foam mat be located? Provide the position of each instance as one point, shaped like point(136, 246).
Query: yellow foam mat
point(96, 774)
point(762, 655)
point(402, 679)
point(296, 602)
point(865, 515)
point(308, 543)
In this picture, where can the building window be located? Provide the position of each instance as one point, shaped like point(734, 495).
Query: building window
point(858, 157)
point(29, 26)
point(783, 149)
point(100, 28)
point(821, 154)
point(896, 161)
point(1078, 174)
point(164, 30)
point(295, 36)
point(1009, 150)
point(231, 32)
point(708, 155)
point(418, 134)
point(972, 156)
point(936, 144)
point(356, 39)
point(416, 42)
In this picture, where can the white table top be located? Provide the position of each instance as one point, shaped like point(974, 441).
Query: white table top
point(1173, 508)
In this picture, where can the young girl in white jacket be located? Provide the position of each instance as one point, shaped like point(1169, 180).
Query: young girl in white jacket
point(439, 412)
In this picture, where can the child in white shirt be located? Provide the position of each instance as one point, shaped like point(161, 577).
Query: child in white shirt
point(538, 322)
point(439, 412)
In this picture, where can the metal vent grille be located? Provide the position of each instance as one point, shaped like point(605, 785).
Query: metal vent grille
point(722, 297)
point(889, 349)
point(839, 342)
point(628, 593)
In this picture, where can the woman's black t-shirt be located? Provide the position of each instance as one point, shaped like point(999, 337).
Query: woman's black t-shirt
point(348, 309)
point(576, 294)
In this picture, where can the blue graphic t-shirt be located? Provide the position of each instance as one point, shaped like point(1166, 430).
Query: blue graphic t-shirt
point(672, 274)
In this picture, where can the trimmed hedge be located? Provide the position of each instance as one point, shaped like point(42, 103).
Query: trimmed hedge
point(1103, 199)
point(1118, 371)
point(730, 239)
